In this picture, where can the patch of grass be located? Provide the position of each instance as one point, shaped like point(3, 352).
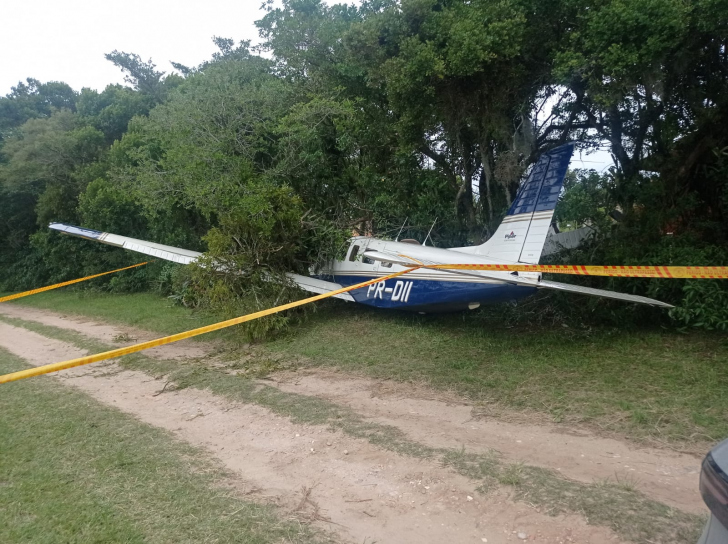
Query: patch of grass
point(620, 507)
point(144, 310)
point(124, 337)
point(613, 504)
point(644, 384)
point(74, 470)
point(647, 384)
point(195, 373)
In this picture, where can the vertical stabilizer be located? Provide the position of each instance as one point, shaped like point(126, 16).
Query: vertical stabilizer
point(522, 234)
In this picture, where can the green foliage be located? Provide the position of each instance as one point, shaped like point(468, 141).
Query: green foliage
point(698, 303)
point(263, 235)
point(143, 76)
point(653, 232)
point(703, 305)
point(111, 110)
point(210, 138)
point(44, 151)
point(109, 208)
point(587, 200)
point(33, 100)
point(41, 176)
point(365, 115)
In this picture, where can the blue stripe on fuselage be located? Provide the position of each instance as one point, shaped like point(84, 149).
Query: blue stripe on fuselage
point(404, 294)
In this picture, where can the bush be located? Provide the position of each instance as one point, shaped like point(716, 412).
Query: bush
point(262, 235)
point(699, 303)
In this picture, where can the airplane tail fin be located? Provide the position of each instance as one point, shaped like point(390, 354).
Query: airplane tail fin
point(522, 234)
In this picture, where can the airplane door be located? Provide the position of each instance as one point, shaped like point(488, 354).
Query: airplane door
point(355, 260)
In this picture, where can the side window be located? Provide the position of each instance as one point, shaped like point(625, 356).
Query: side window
point(367, 260)
point(354, 253)
point(387, 265)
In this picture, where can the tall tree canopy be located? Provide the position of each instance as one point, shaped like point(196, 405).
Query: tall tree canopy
point(359, 117)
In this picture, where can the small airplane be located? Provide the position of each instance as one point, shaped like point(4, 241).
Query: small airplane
point(518, 240)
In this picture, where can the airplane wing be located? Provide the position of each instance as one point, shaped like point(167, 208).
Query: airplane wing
point(168, 253)
point(313, 285)
point(515, 279)
point(601, 293)
point(579, 289)
point(182, 256)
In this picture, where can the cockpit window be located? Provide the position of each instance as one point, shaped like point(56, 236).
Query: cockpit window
point(354, 253)
point(367, 260)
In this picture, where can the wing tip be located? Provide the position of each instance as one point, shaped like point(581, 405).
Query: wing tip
point(73, 230)
point(603, 293)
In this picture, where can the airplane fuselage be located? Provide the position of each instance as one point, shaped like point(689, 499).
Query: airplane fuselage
point(519, 239)
point(422, 290)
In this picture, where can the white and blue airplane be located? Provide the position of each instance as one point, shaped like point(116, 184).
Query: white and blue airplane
point(519, 239)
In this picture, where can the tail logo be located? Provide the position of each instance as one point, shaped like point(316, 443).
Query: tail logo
point(511, 236)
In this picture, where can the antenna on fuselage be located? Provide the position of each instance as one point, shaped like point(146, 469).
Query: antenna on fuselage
point(428, 234)
point(401, 229)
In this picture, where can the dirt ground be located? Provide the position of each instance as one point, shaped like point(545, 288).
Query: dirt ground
point(350, 487)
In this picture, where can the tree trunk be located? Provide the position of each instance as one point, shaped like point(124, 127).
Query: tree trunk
point(486, 158)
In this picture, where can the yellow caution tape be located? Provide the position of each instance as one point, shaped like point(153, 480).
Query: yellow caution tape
point(63, 284)
point(707, 272)
point(704, 272)
point(54, 367)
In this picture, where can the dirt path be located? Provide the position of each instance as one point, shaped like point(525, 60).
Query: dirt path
point(346, 485)
point(117, 335)
point(671, 478)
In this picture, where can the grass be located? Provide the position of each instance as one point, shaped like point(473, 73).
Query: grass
point(614, 504)
point(647, 384)
point(144, 310)
point(74, 470)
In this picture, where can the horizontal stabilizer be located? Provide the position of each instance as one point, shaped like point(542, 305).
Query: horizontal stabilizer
point(515, 279)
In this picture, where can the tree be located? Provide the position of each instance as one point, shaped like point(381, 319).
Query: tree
point(142, 75)
point(111, 110)
point(32, 100)
point(454, 83)
point(649, 77)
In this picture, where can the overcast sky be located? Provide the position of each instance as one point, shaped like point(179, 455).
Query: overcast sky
point(65, 40)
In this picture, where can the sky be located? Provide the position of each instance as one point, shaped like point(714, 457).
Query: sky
point(65, 40)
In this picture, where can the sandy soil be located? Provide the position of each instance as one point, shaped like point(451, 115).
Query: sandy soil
point(669, 477)
point(359, 492)
point(438, 420)
point(115, 335)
